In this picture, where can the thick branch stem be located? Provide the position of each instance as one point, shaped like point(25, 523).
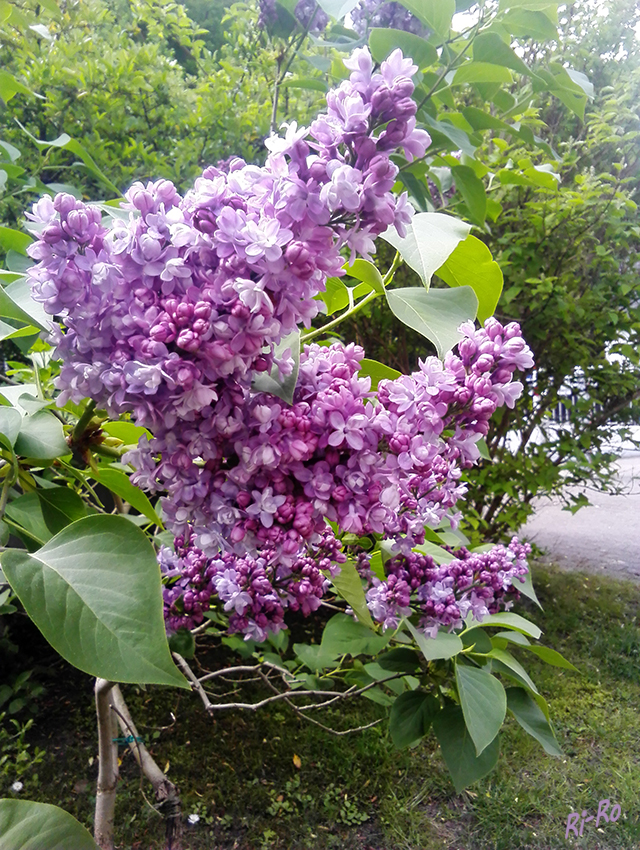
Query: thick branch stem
point(108, 766)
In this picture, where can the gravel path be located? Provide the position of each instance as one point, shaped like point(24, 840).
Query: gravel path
point(601, 539)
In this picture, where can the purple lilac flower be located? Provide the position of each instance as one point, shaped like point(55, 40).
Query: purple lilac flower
point(388, 465)
point(377, 13)
point(255, 591)
point(476, 584)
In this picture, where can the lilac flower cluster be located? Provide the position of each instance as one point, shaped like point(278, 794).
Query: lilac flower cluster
point(378, 13)
point(472, 583)
point(307, 12)
point(171, 310)
point(385, 465)
point(255, 592)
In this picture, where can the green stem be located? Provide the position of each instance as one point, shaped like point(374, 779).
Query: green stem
point(84, 420)
point(107, 451)
point(366, 300)
point(4, 495)
point(397, 260)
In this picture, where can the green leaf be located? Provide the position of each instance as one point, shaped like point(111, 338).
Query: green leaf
point(533, 5)
point(471, 264)
point(25, 825)
point(384, 41)
point(377, 372)
point(183, 642)
point(16, 303)
point(10, 332)
point(431, 238)
point(510, 666)
point(10, 422)
point(337, 8)
point(14, 240)
point(349, 585)
point(482, 443)
point(489, 47)
point(526, 24)
point(435, 314)
point(51, 6)
point(562, 85)
point(524, 584)
point(400, 660)
point(378, 673)
point(435, 14)
point(411, 716)
point(459, 751)
point(314, 657)
point(484, 704)
point(472, 190)
point(513, 621)
point(552, 657)
point(445, 134)
point(335, 296)
point(44, 513)
point(513, 637)
point(443, 646)
point(532, 720)
point(126, 431)
point(376, 566)
point(14, 153)
point(120, 484)
point(481, 120)
point(41, 436)
point(9, 87)
point(478, 639)
point(378, 696)
point(343, 635)
point(366, 272)
point(481, 72)
point(272, 382)
point(439, 555)
point(94, 592)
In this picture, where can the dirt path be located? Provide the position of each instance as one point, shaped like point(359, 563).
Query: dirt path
point(602, 539)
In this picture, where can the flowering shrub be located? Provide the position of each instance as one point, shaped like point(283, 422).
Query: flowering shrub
point(287, 472)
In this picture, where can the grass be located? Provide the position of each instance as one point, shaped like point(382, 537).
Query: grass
point(239, 775)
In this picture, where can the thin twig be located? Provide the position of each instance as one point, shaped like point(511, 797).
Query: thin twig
point(227, 670)
point(306, 717)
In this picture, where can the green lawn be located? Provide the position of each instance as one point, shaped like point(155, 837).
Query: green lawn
point(239, 775)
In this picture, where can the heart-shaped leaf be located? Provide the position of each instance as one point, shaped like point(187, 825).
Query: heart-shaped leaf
point(435, 314)
point(94, 592)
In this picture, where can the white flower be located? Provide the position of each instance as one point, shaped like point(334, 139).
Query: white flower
point(193, 819)
point(17, 787)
